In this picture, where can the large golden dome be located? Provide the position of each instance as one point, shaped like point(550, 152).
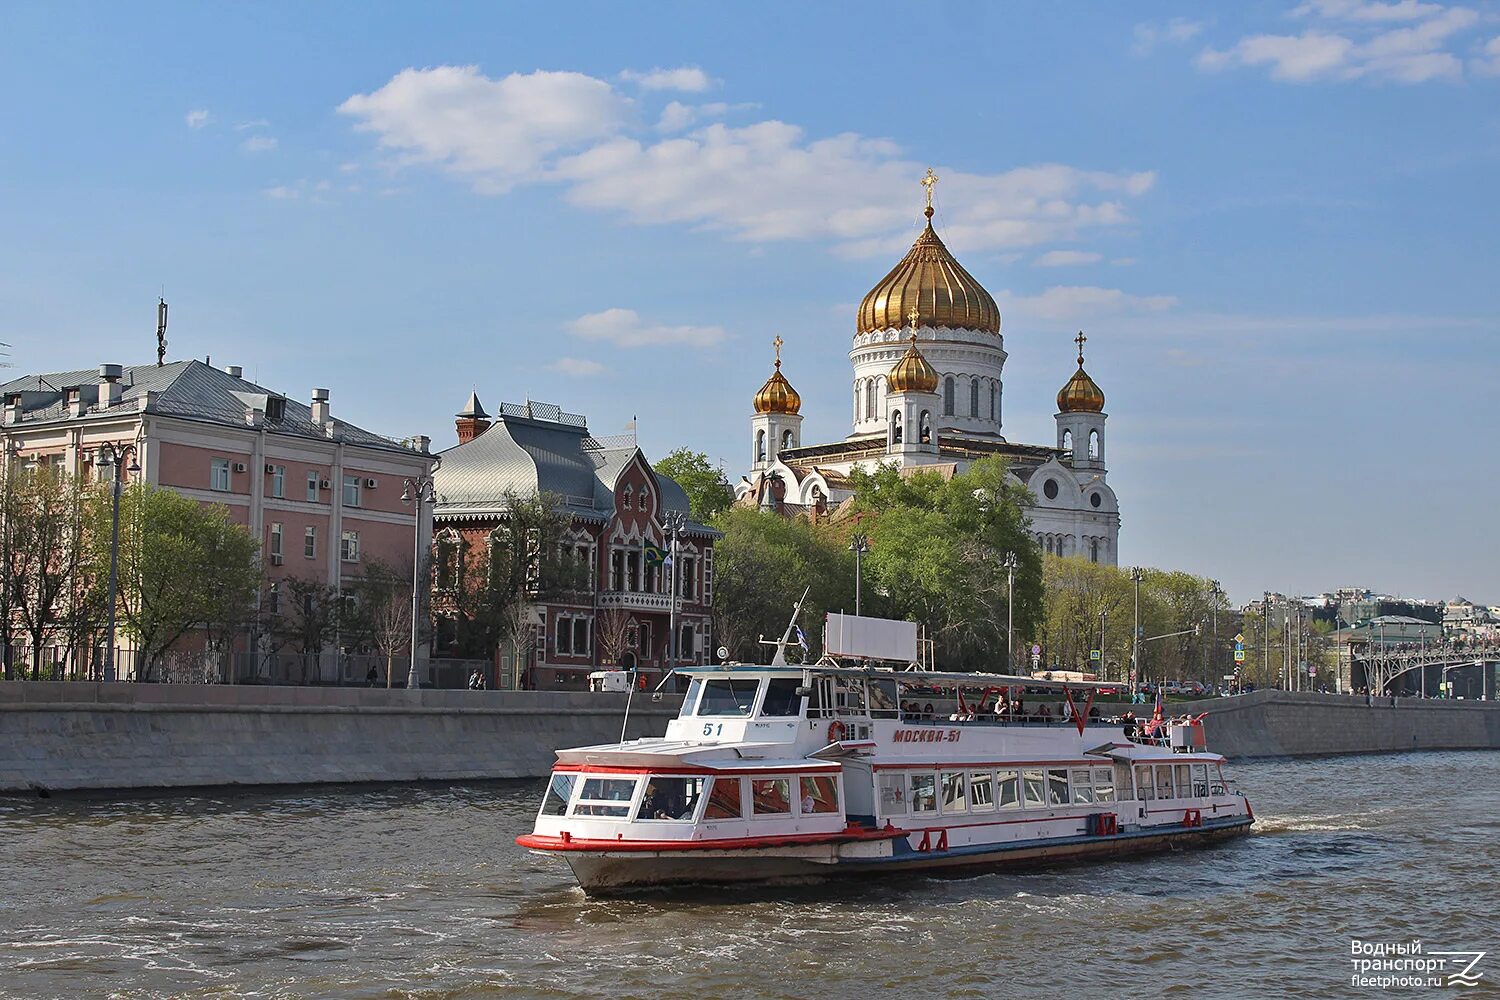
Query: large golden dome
point(929, 279)
point(777, 395)
point(1081, 394)
point(912, 373)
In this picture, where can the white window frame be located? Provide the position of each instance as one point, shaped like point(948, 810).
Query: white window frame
point(351, 489)
point(349, 546)
point(278, 481)
point(275, 544)
point(218, 475)
point(310, 542)
point(312, 485)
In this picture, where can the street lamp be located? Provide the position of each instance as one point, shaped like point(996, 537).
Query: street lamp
point(859, 545)
point(1135, 640)
point(674, 521)
point(1216, 595)
point(418, 490)
point(111, 456)
point(1103, 620)
point(1010, 609)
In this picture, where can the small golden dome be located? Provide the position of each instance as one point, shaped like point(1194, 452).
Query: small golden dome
point(1081, 394)
point(912, 373)
point(777, 395)
point(931, 281)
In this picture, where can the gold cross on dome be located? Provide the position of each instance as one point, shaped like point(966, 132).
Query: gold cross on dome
point(913, 316)
point(777, 344)
point(1080, 340)
point(929, 182)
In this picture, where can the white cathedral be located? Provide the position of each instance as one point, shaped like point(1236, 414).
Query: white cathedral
point(927, 394)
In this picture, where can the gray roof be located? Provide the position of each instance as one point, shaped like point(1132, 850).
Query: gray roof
point(536, 448)
point(191, 390)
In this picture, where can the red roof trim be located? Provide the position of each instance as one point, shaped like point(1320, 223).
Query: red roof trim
point(566, 843)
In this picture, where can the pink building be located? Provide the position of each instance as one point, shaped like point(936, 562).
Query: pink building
point(322, 495)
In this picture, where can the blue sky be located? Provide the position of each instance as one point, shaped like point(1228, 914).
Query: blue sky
point(1276, 223)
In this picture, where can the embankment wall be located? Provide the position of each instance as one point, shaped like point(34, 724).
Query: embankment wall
point(67, 735)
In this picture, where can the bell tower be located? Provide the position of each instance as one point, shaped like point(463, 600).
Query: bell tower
point(777, 423)
point(1080, 417)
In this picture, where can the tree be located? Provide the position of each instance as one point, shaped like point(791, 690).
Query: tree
point(937, 549)
point(705, 484)
point(308, 618)
point(383, 616)
point(612, 630)
point(182, 566)
point(45, 538)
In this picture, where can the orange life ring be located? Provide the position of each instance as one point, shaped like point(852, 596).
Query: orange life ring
point(836, 730)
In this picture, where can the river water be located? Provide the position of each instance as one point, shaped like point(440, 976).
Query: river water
point(421, 892)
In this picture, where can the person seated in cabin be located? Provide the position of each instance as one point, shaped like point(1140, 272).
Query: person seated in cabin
point(1002, 706)
point(1044, 713)
point(929, 712)
point(1130, 727)
point(654, 805)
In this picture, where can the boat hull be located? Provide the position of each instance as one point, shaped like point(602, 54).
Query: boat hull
point(607, 872)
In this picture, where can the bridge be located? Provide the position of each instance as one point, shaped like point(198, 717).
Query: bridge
point(1383, 664)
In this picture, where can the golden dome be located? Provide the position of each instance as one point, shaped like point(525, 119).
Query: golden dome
point(929, 279)
point(777, 395)
point(912, 373)
point(1081, 394)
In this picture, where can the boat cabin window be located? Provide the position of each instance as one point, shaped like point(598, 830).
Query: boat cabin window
point(690, 700)
point(1083, 785)
point(782, 699)
point(849, 696)
point(728, 697)
point(1200, 779)
point(1057, 787)
point(884, 702)
point(605, 797)
point(955, 792)
point(892, 794)
point(670, 798)
point(771, 796)
point(1035, 788)
point(1104, 784)
point(1184, 781)
point(559, 791)
point(1145, 785)
point(1217, 785)
point(820, 794)
point(1008, 789)
point(982, 791)
point(924, 793)
point(1164, 781)
point(724, 800)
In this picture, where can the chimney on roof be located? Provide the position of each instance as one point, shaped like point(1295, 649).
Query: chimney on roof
point(421, 443)
point(235, 371)
point(109, 385)
point(472, 420)
point(320, 414)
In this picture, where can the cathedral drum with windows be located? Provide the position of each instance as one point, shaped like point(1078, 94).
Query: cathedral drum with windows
point(928, 359)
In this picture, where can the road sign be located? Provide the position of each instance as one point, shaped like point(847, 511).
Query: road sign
point(1036, 650)
point(1093, 654)
point(1239, 639)
point(1312, 671)
point(1239, 656)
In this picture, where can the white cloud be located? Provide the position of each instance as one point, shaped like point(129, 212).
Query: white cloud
point(689, 79)
point(257, 123)
point(259, 144)
point(283, 192)
point(1356, 39)
point(1068, 258)
point(1489, 65)
point(625, 328)
point(675, 117)
point(499, 132)
point(580, 367)
point(1080, 301)
point(760, 182)
point(199, 118)
point(1174, 32)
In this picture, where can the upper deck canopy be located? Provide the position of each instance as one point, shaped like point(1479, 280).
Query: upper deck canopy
point(922, 678)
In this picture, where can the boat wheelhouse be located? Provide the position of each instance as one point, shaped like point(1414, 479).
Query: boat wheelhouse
point(774, 772)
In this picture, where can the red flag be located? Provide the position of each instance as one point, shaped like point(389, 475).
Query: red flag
point(1156, 716)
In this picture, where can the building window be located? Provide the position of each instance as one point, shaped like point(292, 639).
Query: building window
point(687, 585)
point(924, 427)
point(1067, 441)
point(310, 543)
point(349, 546)
point(1093, 550)
point(992, 401)
point(581, 636)
point(685, 647)
point(786, 440)
point(896, 427)
point(616, 569)
point(1095, 499)
point(312, 485)
point(351, 491)
point(1094, 445)
point(273, 598)
point(275, 542)
point(278, 480)
point(973, 397)
point(218, 478)
point(1049, 489)
point(708, 576)
point(645, 639)
point(948, 396)
point(760, 446)
point(563, 643)
point(447, 563)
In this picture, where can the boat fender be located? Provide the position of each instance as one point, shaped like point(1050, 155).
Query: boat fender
point(836, 731)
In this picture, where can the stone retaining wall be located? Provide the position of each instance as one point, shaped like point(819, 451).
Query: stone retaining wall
point(65, 735)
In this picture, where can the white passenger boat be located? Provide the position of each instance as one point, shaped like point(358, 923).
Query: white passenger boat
point(787, 772)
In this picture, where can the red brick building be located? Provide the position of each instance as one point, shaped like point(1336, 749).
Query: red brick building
point(616, 507)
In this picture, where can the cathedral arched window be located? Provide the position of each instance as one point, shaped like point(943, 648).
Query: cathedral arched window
point(1093, 550)
point(992, 400)
point(870, 400)
point(948, 396)
point(1067, 441)
point(760, 446)
point(786, 439)
point(1094, 445)
point(924, 427)
point(973, 397)
point(896, 427)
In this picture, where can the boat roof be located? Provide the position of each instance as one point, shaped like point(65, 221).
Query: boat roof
point(927, 678)
point(662, 753)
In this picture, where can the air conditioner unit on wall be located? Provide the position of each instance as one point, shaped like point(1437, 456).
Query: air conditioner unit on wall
point(270, 469)
point(239, 466)
point(324, 484)
point(370, 484)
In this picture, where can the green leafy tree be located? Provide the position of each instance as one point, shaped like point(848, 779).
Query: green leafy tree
point(937, 552)
point(705, 484)
point(45, 538)
point(182, 566)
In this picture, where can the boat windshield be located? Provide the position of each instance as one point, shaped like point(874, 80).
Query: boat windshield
point(728, 697)
point(782, 697)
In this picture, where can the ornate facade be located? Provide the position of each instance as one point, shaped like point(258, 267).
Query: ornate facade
point(927, 393)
